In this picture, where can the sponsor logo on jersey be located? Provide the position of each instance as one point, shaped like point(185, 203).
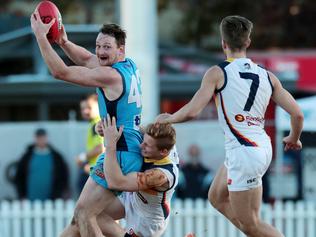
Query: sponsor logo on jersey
point(251, 121)
point(254, 121)
point(99, 173)
point(252, 124)
point(137, 119)
point(239, 118)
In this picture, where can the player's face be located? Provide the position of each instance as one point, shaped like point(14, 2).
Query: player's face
point(107, 50)
point(149, 148)
point(89, 109)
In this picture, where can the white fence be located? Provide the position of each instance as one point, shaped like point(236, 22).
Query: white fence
point(47, 219)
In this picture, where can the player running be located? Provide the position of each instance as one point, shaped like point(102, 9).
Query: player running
point(243, 91)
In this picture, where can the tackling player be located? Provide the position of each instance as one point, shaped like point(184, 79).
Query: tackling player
point(145, 202)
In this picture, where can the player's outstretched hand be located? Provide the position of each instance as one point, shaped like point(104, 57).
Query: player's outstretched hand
point(111, 134)
point(291, 144)
point(163, 118)
point(38, 27)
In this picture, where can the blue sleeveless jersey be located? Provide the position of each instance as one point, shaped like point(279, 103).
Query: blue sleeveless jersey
point(127, 108)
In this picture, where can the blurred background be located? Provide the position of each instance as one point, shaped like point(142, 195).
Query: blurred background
point(173, 43)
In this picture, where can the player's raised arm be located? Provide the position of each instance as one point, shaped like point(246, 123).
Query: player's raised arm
point(284, 99)
point(79, 55)
point(98, 77)
point(202, 97)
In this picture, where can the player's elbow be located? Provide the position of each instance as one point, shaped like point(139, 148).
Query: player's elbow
point(298, 116)
point(113, 183)
point(59, 74)
point(191, 115)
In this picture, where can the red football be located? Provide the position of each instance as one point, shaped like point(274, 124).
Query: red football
point(47, 11)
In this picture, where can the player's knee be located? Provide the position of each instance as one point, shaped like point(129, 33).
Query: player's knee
point(212, 197)
point(216, 201)
point(212, 200)
point(250, 226)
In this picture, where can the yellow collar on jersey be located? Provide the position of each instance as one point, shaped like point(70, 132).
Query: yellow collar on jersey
point(230, 59)
point(163, 161)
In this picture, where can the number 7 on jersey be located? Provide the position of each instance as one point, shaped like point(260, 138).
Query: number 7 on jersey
point(253, 88)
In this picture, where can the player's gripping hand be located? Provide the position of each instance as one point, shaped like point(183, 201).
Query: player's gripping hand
point(39, 28)
point(62, 37)
point(163, 118)
point(291, 144)
point(110, 131)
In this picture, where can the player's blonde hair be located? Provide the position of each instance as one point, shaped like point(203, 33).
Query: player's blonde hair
point(163, 133)
point(235, 31)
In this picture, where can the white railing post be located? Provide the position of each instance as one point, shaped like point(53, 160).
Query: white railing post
point(278, 215)
point(27, 219)
point(16, 218)
point(289, 220)
point(200, 217)
point(210, 221)
point(300, 219)
point(188, 216)
point(38, 224)
point(59, 217)
point(178, 215)
point(5, 216)
point(311, 219)
point(48, 212)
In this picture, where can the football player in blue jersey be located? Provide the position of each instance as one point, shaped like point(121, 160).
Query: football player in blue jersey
point(119, 94)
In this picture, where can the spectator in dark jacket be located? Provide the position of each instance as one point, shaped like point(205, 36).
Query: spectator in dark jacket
point(42, 172)
point(194, 178)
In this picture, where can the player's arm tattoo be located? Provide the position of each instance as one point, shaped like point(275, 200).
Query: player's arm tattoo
point(152, 178)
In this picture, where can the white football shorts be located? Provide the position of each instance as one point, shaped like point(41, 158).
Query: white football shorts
point(139, 224)
point(246, 166)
